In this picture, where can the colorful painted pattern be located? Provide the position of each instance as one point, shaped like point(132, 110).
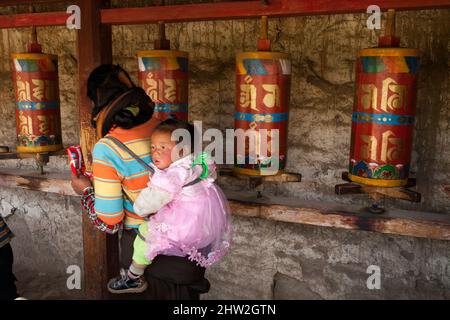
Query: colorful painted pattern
point(262, 102)
point(376, 171)
point(25, 105)
point(5, 234)
point(259, 117)
point(38, 116)
point(390, 64)
point(171, 108)
point(33, 63)
point(164, 76)
point(383, 116)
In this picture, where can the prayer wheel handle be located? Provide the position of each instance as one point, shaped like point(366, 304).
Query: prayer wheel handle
point(389, 39)
point(34, 46)
point(162, 43)
point(264, 42)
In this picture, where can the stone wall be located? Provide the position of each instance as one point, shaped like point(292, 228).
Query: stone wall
point(277, 260)
point(298, 261)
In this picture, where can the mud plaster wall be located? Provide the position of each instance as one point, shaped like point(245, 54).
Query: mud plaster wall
point(297, 261)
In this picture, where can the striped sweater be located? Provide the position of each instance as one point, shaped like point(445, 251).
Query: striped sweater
point(118, 178)
point(5, 234)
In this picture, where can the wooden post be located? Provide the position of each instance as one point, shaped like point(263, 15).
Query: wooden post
point(94, 44)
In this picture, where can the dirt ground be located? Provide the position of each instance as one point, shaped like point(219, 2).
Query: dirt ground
point(45, 287)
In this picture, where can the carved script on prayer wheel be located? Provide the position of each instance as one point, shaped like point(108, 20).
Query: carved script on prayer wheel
point(262, 102)
point(163, 74)
point(38, 118)
point(383, 116)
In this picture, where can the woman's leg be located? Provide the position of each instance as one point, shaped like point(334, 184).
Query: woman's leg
point(176, 278)
point(126, 247)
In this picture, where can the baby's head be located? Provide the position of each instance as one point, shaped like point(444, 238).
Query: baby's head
point(162, 144)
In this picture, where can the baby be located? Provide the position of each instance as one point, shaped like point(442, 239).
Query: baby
point(192, 212)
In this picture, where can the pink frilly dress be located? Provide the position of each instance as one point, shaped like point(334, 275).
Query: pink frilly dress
point(191, 221)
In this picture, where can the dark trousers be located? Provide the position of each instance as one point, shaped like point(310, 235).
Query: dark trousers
point(8, 289)
point(168, 277)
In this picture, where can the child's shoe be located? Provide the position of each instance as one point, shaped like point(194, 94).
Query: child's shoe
point(124, 284)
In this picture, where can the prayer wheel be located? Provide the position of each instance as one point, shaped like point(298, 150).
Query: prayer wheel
point(384, 112)
point(262, 102)
point(38, 117)
point(163, 74)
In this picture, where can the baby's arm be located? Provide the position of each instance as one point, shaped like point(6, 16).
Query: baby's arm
point(150, 200)
point(161, 190)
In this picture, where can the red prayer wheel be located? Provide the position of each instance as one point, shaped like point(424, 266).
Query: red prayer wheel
point(38, 117)
point(163, 74)
point(262, 102)
point(384, 113)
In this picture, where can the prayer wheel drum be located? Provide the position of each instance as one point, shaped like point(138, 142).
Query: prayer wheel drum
point(262, 102)
point(383, 116)
point(38, 117)
point(163, 74)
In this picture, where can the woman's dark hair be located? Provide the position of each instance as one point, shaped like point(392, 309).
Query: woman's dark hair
point(110, 85)
point(124, 119)
point(105, 83)
point(172, 124)
point(130, 109)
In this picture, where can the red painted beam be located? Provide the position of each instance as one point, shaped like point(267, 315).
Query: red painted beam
point(349, 6)
point(34, 19)
point(220, 11)
point(251, 9)
point(26, 2)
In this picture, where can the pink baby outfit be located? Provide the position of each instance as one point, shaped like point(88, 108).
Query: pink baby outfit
point(192, 220)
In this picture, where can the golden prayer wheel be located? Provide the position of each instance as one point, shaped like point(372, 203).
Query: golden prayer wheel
point(163, 74)
point(262, 103)
point(384, 113)
point(38, 117)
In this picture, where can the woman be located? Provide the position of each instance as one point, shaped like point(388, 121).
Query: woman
point(123, 111)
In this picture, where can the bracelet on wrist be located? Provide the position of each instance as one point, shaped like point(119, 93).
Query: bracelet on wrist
point(87, 191)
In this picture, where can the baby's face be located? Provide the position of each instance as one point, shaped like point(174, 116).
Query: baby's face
point(161, 149)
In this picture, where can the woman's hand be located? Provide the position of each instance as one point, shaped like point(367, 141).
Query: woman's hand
point(80, 183)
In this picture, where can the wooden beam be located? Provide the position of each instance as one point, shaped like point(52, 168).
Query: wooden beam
point(16, 155)
point(4, 3)
point(217, 11)
point(351, 6)
point(393, 221)
point(281, 177)
point(40, 19)
point(94, 48)
point(322, 214)
point(253, 9)
point(32, 180)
